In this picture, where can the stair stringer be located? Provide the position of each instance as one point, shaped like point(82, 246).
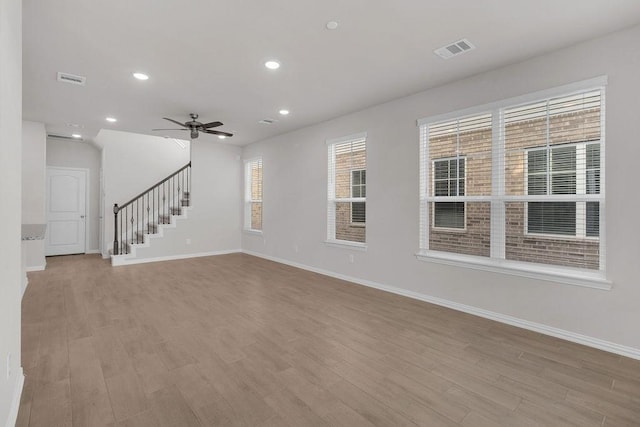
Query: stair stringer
point(132, 257)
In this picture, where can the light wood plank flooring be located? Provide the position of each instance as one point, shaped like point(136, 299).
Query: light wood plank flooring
point(237, 340)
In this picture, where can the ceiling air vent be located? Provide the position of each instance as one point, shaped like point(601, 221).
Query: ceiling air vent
point(65, 137)
point(71, 78)
point(267, 121)
point(454, 49)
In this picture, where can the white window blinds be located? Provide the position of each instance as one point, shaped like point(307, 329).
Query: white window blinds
point(520, 183)
point(253, 195)
point(346, 191)
point(456, 176)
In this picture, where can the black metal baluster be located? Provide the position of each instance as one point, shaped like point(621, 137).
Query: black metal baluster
point(132, 232)
point(115, 229)
point(126, 226)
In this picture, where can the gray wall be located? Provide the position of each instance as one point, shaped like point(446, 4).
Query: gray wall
point(213, 222)
point(295, 175)
point(131, 164)
point(74, 154)
point(33, 188)
point(10, 194)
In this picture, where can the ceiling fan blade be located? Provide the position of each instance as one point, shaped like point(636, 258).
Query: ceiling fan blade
point(169, 129)
point(217, 132)
point(174, 121)
point(212, 125)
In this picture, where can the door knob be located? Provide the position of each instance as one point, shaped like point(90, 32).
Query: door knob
point(81, 216)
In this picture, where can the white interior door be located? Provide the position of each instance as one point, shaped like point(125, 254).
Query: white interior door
point(66, 216)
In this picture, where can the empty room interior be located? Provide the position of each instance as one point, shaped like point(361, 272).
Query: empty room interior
point(304, 213)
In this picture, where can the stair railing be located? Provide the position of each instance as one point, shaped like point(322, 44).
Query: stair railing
point(154, 206)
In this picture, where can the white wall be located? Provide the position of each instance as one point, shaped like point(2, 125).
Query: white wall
point(213, 222)
point(295, 174)
point(131, 164)
point(34, 149)
point(10, 218)
point(74, 154)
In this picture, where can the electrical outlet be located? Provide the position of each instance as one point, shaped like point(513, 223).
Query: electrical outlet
point(188, 241)
point(351, 259)
point(8, 365)
point(295, 248)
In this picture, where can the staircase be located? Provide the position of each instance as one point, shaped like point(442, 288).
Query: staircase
point(145, 216)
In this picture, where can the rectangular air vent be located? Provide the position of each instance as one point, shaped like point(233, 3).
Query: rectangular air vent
point(65, 137)
point(71, 78)
point(267, 121)
point(454, 49)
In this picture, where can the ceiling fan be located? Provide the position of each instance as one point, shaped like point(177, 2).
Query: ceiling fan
point(195, 127)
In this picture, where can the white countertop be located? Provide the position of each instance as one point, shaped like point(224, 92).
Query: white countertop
point(33, 231)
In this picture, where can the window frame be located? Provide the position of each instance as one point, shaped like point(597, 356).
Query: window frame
point(433, 204)
point(497, 262)
point(248, 195)
point(332, 200)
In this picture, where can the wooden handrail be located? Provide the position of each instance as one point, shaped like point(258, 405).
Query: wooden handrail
point(151, 188)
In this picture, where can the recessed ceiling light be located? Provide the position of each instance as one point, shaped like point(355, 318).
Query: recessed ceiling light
point(140, 76)
point(332, 25)
point(111, 119)
point(222, 137)
point(76, 135)
point(272, 65)
point(284, 112)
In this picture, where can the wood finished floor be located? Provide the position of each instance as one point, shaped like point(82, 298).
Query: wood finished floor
point(237, 340)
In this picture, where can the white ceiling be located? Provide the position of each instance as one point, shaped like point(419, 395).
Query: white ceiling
point(207, 56)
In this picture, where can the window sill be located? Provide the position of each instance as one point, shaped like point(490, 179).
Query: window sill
point(546, 236)
point(358, 224)
point(449, 229)
point(252, 231)
point(345, 244)
point(549, 273)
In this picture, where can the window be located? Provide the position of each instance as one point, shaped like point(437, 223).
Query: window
point(448, 180)
point(455, 175)
point(563, 170)
point(347, 187)
point(253, 195)
point(358, 189)
point(517, 183)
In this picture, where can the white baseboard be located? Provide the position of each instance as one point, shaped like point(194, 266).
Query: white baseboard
point(92, 251)
point(15, 402)
point(622, 350)
point(25, 284)
point(35, 268)
point(118, 260)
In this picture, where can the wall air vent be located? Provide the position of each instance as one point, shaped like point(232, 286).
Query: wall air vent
point(65, 137)
point(267, 121)
point(454, 49)
point(71, 78)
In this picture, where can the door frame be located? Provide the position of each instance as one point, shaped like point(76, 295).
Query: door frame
point(87, 212)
